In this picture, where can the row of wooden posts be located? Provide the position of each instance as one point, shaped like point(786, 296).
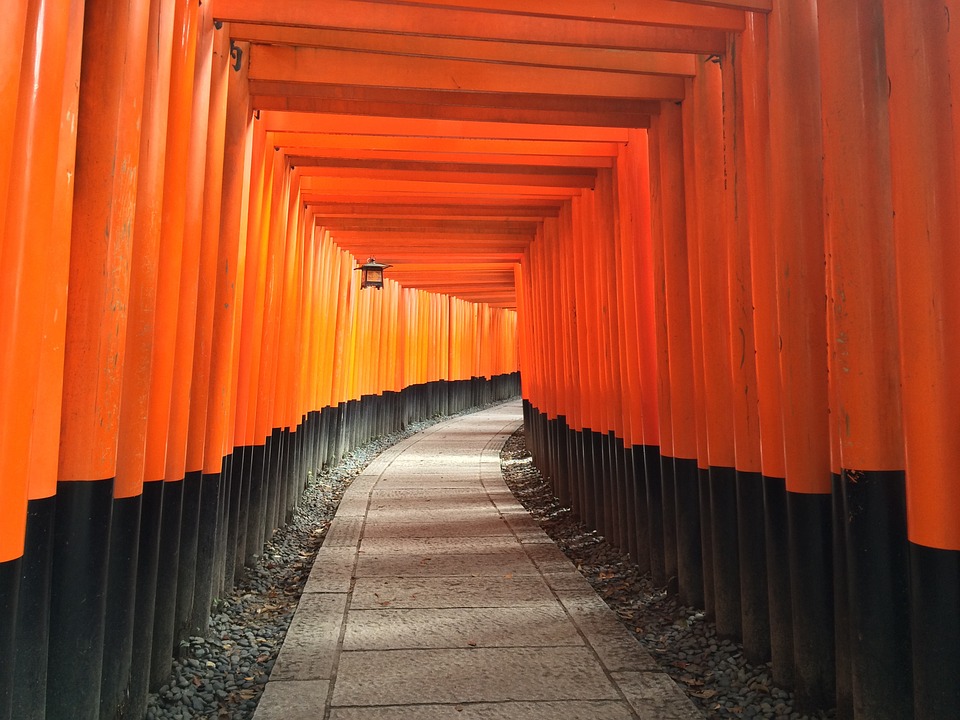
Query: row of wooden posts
point(742, 368)
point(183, 343)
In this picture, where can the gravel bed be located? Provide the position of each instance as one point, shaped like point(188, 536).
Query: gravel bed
point(713, 672)
point(222, 676)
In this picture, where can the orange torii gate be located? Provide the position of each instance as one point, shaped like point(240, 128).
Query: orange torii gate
point(717, 238)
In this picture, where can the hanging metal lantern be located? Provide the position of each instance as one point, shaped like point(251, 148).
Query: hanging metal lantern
point(372, 274)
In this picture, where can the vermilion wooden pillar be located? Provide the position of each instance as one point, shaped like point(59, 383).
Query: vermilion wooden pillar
point(120, 689)
point(108, 150)
point(202, 410)
point(797, 225)
point(924, 149)
point(754, 605)
point(692, 218)
point(756, 122)
point(660, 344)
point(248, 333)
point(176, 164)
point(713, 258)
point(138, 365)
point(680, 350)
point(864, 355)
point(635, 222)
point(588, 370)
point(33, 287)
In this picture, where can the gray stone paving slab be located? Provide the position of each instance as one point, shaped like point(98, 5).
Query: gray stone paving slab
point(432, 471)
point(521, 522)
point(458, 564)
point(533, 625)
point(549, 559)
point(429, 501)
point(616, 647)
point(450, 592)
point(454, 493)
point(344, 531)
point(353, 504)
point(429, 527)
point(434, 545)
point(310, 647)
point(403, 677)
point(428, 482)
point(567, 581)
point(570, 710)
point(332, 570)
point(655, 695)
point(420, 513)
point(293, 700)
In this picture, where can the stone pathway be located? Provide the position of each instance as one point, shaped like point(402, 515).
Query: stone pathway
point(435, 595)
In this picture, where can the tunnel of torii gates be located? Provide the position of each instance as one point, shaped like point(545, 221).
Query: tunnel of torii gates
point(715, 238)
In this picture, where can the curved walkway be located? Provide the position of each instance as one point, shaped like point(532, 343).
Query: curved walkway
point(435, 595)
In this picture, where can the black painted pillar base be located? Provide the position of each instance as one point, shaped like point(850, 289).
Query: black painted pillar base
point(168, 571)
point(81, 543)
point(563, 465)
point(754, 603)
point(641, 513)
point(234, 491)
point(654, 477)
point(256, 511)
point(780, 599)
point(811, 585)
point(589, 518)
point(223, 522)
point(581, 504)
point(594, 443)
point(9, 590)
point(206, 559)
point(878, 587)
point(629, 495)
point(706, 541)
point(668, 491)
point(608, 474)
point(689, 548)
point(273, 455)
point(187, 574)
point(120, 613)
point(148, 560)
point(726, 551)
point(841, 603)
point(29, 663)
point(935, 621)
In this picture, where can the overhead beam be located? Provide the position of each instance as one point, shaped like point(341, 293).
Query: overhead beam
point(413, 199)
point(339, 185)
point(453, 144)
point(535, 54)
point(391, 211)
point(668, 13)
point(319, 66)
point(320, 161)
point(379, 224)
point(435, 104)
point(267, 98)
point(340, 124)
point(460, 159)
point(310, 167)
point(474, 24)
